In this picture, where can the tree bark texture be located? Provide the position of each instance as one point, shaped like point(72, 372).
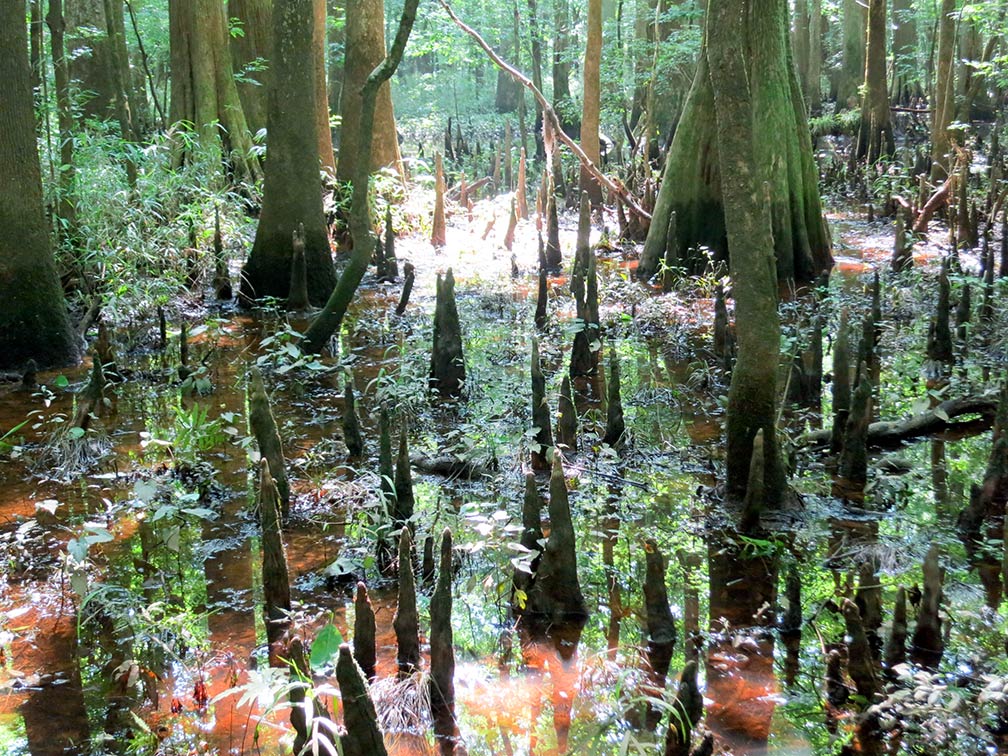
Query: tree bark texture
point(250, 56)
point(325, 146)
point(292, 192)
point(33, 320)
point(851, 74)
point(943, 97)
point(591, 100)
point(752, 394)
point(88, 51)
point(875, 136)
point(365, 49)
point(692, 181)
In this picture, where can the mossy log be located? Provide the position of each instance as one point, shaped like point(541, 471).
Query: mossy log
point(362, 738)
point(351, 423)
point(567, 418)
point(264, 429)
point(442, 654)
point(615, 430)
point(447, 372)
point(543, 440)
point(406, 621)
point(555, 599)
point(364, 649)
point(276, 581)
point(928, 644)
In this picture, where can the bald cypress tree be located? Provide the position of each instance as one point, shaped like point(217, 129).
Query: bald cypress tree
point(33, 316)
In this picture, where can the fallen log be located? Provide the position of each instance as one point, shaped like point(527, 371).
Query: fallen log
point(937, 200)
point(892, 433)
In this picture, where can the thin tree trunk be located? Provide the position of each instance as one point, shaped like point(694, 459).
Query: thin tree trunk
point(943, 99)
point(64, 117)
point(325, 146)
point(875, 136)
point(906, 78)
point(592, 101)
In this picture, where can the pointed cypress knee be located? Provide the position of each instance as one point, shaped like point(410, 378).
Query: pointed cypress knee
point(351, 424)
point(362, 738)
point(853, 470)
point(406, 621)
point(364, 633)
point(554, 258)
point(222, 279)
point(540, 414)
point(895, 647)
point(264, 428)
point(509, 235)
point(555, 599)
point(841, 383)
point(385, 469)
point(442, 654)
point(687, 708)
point(860, 664)
point(403, 483)
point(297, 298)
point(963, 314)
point(615, 426)
point(299, 715)
point(409, 276)
point(902, 258)
point(722, 329)
point(939, 345)
point(661, 628)
point(391, 266)
point(587, 345)
point(447, 373)
point(427, 561)
point(276, 583)
point(567, 420)
point(531, 538)
point(927, 645)
point(752, 506)
point(438, 235)
point(521, 192)
point(542, 292)
point(791, 623)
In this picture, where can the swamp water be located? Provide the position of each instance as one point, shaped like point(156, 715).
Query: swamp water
point(131, 596)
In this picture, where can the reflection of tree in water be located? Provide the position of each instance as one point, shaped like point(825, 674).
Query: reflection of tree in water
point(741, 686)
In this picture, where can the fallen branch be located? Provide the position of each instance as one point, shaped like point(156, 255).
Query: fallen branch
point(892, 433)
point(613, 185)
point(934, 203)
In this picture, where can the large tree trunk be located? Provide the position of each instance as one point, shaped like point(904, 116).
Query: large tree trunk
point(875, 136)
point(734, 30)
point(943, 97)
point(89, 53)
point(292, 192)
point(852, 66)
point(800, 39)
point(33, 317)
point(336, 39)
point(204, 93)
point(813, 80)
point(322, 131)
point(365, 49)
point(691, 184)
point(592, 101)
point(906, 78)
point(250, 56)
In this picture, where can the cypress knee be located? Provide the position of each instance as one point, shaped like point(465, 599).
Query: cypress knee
point(927, 645)
point(406, 622)
point(297, 299)
point(351, 425)
point(364, 649)
point(442, 654)
point(264, 428)
point(567, 420)
point(276, 583)
point(543, 440)
point(661, 628)
point(447, 373)
point(362, 738)
point(403, 483)
point(615, 425)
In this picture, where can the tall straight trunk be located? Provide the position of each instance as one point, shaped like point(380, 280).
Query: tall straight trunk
point(90, 54)
point(35, 25)
point(943, 97)
point(852, 66)
point(592, 100)
point(365, 49)
point(130, 80)
point(906, 79)
point(322, 131)
point(336, 39)
point(732, 27)
point(644, 39)
point(561, 64)
point(250, 57)
point(64, 118)
point(33, 318)
point(535, 45)
point(800, 39)
point(292, 191)
point(691, 183)
point(121, 81)
point(813, 79)
point(875, 136)
point(204, 93)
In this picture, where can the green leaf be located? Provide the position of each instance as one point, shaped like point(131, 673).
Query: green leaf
point(61, 381)
point(76, 432)
point(325, 646)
